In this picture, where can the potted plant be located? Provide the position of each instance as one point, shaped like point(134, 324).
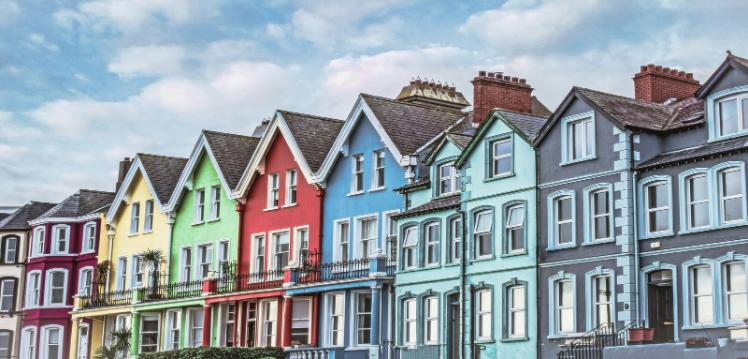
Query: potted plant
point(150, 261)
point(699, 342)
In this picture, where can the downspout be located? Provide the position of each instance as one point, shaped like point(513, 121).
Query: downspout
point(110, 238)
point(463, 281)
point(170, 221)
point(239, 247)
point(635, 214)
point(538, 307)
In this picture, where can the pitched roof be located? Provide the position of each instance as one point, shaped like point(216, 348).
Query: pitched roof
point(730, 61)
point(164, 172)
point(700, 151)
point(4, 215)
point(461, 140)
point(314, 135)
point(528, 124)
point(82, 203)
point(434, 205)
point(410, 126)
point(538, 108)
point(232, 152)
point(19, 220)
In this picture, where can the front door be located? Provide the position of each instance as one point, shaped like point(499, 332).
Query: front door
point(453, 345)
point(83, 342)
point(660, 304)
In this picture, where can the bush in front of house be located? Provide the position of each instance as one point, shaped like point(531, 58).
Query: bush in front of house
point(217, 353)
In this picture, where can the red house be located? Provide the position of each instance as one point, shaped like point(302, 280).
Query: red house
point(281, 216)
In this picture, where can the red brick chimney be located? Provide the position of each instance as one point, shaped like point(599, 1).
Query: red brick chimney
point(659, 84)
point(494, 90)
point(124, 166)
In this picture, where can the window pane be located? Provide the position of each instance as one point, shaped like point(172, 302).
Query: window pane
point(704, 312)
point(733, 209)
point(566, 318)
point(699, 214)
point(736, 277)
point(590, 139)
point(698, 189)
point(482, 222)
point(745, 113)
point(410, 237)
point(600, 199)
point(502, 148)
point(737, 306)
point(504, 165)
point(731, 183)
point(579, 140)
point(659, 221)
point(563, 209)
point(484, 243)
point(728, 116)
point(602, 227)
point(517, 239)
point(564, 233)
point(516, 216)
point(657, 195)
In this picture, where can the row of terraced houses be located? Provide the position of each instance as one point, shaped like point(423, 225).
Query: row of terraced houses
point(418, 227)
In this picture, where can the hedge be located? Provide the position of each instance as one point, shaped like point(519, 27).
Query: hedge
point(217, 353)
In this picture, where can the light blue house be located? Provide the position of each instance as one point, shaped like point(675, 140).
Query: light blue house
point(352, 278)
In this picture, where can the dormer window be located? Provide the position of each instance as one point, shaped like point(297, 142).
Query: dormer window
point(578, 138)
point(732, 114)
point(448, 178)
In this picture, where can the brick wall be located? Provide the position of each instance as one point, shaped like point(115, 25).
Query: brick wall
point(659, 84)
point(494, 90)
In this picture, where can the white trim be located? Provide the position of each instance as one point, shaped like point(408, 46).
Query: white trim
point(43, 340)
point(295, 250)
point(356, 235)
point(28, 298)
point(119, 198)
point(168, 339)
point(337, 243)
point(271, 244)
point(28, 340)
point(48, 287)
point(158, 330)
point(191, 341)
point(84, 239)
point(53, 250)
point(80, 281)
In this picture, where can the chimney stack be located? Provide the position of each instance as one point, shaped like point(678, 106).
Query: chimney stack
point(124, 166)
point(496, 90)
point(659, 84)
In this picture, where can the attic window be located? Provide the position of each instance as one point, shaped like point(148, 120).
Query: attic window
point(732, 114)
point(578, 138)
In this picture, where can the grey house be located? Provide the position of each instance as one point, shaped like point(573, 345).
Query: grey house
point(642, 212)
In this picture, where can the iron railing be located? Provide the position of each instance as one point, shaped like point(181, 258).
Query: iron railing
point(171, 291)
point(232, 282)
point(420, 352)
point(591, 345)
point(106, 299)
point(351, 269)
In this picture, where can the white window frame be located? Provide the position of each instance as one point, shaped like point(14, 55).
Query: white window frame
point(271, 320)
point(143, 318)
point(88, 242)
point(335, 317)
point(82, 290)
point(411, 248)
point(292, 179)
point(432, 247)
point(476, 234)
point(300, 244)
point(44, 338)
point(306, 321)
point(377, 167)
point(390, 232)
point(722, 198)
point(134, 218)
point(372, 244)
point(273, 191)
point(187, 264)
point(410, 322)
point(148, 216)
point(257, 239)
point(28, 347)
point(554, 224)
point(509, 228)
point(12, 295)
point(593, 216)
point(481, 312)
point(56, 239)
point(121, 272)
point(205, 248)
point(496, 157)
point(228, 319)
point(431, 320)
point(6, 241)
point(455, 239)
point(224, 256)
point(452, 179)
point(33, 300)
point(342, 242)
point(48, 287)
point(739, 98)
point(215, 203)
point(596, 303)
point(356, 173)
point(690, 203)
point(727, 292)
point(567, 139)
point(37, 249)
point(650, 210)
point(693, 295)
point(554, 307)
point(514, 310)
point(356, 329)
point(274, 237)
point(172, 317)
point(193, 340)
point(199, 206)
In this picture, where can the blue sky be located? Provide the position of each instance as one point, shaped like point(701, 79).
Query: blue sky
point(83, 84)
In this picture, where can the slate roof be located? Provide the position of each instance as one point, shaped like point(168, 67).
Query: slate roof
point(705, 150)
point(164, 172)
point(314, 135)
point(80, 204)
point(410, 126)
point(644, 115)
point(19, 220)
point(232, 152)
point(432, 206)
point(460, 139)
point(529, 125)
point(538, 108)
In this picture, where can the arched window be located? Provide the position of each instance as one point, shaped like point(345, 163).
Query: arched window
point(88, 244)
point(52, 342)
point(28, 343)
point(410, 245)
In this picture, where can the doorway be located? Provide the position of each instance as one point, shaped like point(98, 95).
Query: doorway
point(453, 326)
point(83, 341)
point(660, 305)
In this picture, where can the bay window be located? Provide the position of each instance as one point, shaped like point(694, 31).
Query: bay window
point(33, 289)
point(39, 238)
point(89, 238)
point(52, 342)
point(55, 287)
point(60, 239)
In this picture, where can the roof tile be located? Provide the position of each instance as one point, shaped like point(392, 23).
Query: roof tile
point(19, 220)
point(232, 152)
point(313, 134)
point(164, 172)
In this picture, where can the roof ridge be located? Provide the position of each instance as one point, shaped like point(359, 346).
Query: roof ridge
point(227, 133)
point(310, 115)
point(640, 102)
point(430, 108)
point(140, 154)
point(520, 113)
point(95, 191)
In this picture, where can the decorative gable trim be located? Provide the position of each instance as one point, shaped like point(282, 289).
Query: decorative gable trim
point(137, 166)
point(728, 63)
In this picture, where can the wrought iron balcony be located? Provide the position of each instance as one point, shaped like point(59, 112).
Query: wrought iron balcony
point(105, 299)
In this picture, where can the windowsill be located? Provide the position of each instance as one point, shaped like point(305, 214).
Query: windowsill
point(571, 162)
point(148, 231)
point(431, 344)
point(598, 241)
point(514, 254)
point(358, 347)
point(197, 223)
point(377, 189)
point(355, 193)
point(431, 266)
point(500, 176)
point(728, 137)
point(442, 195)
point(270, 209)
point(133, 234)
point(452, 264)
point(708, 326)
point(658, 235)
point(560, 248)
point(216, 219)
point(484, 341)
point(82, 253)
point(712, 228)
point(289, 205)
point(510, 340)
point(483, 258)
point(565, 335)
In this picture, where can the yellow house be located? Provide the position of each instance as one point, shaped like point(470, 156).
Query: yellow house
point(136, 222)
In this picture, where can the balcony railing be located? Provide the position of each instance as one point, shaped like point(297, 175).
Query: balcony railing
point(591, 345)
point(106, 299)
point(357, 268)
point(172, 291)
point(231, 282)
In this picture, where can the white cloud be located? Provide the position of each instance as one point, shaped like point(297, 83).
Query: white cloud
point(39, 40)
point(525, 24)
point(148, 60)
point(9, 10)
point(276, 31)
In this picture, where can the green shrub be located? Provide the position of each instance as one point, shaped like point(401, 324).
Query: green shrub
point(217, 353)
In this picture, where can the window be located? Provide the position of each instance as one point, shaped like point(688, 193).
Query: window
point(55, 287)
point(149, 333)
point(367, 231)
point(482, 234)
point(89, 238)
point(697, 198)
point(731, 199)
point(564, 311)
point(455, 235)
point(172, 330)
point(60, 239)
point(563, 221)
point(600, 215)
point(259, 254)
point(134, 217)
point(580, 139)
point(409, 321)
point(148, 220)
point(732, 115)
point(273, 189)
point(139, 271)
point(195, 327)
point(121, 273)
point(6, 340)
point(282, 247)
point(735, 297)
point(358, 174)
point(33, 288)
point(269, 318)
point(391, 230)
point(342, 231)
point(215, 202)
point(448, 178)
point(39, 236)
point(300, 322)
point(516, 325)
point(302, 245)
point(601, 300)
point(199, 205)
point(85, 279)
point(228, 312)
point(410, 242)
point(501, 157)
point(52, 342)
point(702, 300)
point(205, 257)
point(431, 320)
point(291, 187)
point(223, 258)
point(28, 343)
point(483, 316)
point(363, 318)
point(251, 326)
point(7, 295)
point(378, 181)
point(432, 243)
point(10, 249)
point(337, 319)
point(658, 207)
point(122, 322)
point(515, 229)
point(186, 264)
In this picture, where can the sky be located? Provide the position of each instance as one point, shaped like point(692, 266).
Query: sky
point(85, 83)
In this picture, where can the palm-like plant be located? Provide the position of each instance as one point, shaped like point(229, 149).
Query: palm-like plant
point(151, 259)
point(102, 272)
point(120, 345)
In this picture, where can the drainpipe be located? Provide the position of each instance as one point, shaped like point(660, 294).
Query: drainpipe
point(239, 246)
point(110, 238)
point(538, 306)
point(463, 281)
point(635, 213)
point(170, 221)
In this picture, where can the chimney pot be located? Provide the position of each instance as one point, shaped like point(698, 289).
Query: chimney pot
point(689, 75)
point(490, 75)
point(658, 84)
point(522, 81)
point(481, 73)
point(515, 79)
point(681, 73)
point(504, 93)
